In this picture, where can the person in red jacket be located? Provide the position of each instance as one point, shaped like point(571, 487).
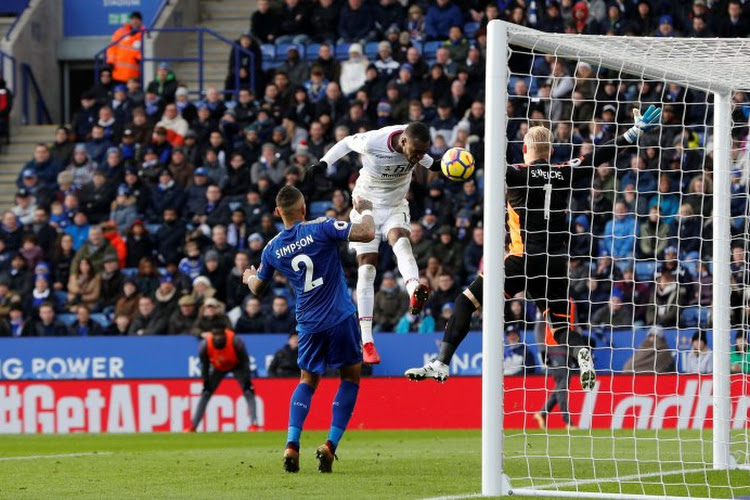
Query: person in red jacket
point(221, 352)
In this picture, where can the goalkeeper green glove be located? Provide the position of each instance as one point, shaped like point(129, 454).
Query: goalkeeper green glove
point(643, 123)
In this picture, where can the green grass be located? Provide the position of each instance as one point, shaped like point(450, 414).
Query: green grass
point(374, 464)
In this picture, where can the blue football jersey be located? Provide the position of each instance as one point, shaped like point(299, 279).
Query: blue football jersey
point(308, 255)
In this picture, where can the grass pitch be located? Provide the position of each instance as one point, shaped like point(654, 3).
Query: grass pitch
point(374, 464)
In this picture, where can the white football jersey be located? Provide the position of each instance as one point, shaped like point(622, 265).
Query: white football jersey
point(385, 175)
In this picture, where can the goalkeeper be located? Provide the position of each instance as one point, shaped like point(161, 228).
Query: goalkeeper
point(536, 260)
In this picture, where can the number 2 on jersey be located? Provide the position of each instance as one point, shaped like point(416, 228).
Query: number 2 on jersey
point(310, 283)
point(547, 200)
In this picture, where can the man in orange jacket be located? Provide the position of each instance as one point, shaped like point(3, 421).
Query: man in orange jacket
point(124, 56)
point(221, 352)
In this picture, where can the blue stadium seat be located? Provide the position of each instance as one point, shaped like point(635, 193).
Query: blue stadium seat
point(430, 49)
point(644, 270)
point(371, 50)
point(101, 319)
point(281, 50)
point(153, 228)
point(318, 208)
point(418, 46)
point(270, 65)
point(470, 29)
point(342, 51)
point(268, 51)
point(67, 319)
point(311, 51)
point(129, 272)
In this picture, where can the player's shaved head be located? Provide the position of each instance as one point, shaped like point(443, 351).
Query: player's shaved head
point(290, 202)
point(417, 131)
point(537, 144)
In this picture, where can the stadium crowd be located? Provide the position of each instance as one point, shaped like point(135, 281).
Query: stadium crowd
point(141, 215)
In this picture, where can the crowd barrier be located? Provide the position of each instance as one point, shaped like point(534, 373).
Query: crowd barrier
point(165, 405)
point(177, 356)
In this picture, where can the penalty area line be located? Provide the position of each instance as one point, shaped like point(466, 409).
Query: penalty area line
point(632, 477)
point(456, 497)
point(61, 455)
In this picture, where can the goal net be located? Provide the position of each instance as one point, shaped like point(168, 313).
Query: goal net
point(658, 270)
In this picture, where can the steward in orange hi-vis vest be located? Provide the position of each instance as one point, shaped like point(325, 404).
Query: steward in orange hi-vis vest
point(222, 352)
point(125, 55)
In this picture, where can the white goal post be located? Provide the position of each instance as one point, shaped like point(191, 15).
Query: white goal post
point(715, 66)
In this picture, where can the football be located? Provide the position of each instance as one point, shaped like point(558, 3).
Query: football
point(457, 164)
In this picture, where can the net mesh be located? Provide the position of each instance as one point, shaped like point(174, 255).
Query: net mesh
point(641, 269)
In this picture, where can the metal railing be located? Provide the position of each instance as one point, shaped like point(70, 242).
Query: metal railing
point(28, 82)
point(18, 8)
point(7, 60)
point(100, 57)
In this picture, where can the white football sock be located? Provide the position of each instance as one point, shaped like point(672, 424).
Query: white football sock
point(407, 265)
point(366, 300)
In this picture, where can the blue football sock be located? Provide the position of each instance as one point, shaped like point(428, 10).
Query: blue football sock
point(343, 407)
point(299, 405)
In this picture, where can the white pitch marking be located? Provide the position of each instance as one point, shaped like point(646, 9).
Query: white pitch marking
point(62, 455)
point(631, 477)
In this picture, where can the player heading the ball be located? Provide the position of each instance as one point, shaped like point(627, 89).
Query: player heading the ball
point(307, 254)
point(388, 157)
point(536, 260)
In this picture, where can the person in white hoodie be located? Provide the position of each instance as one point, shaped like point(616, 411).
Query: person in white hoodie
point(353, 70)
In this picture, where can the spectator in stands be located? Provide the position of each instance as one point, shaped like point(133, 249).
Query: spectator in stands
point(740, 358)
point(84, 326)
point(62, 260)
point(653, 355)
point(294, 24)
point(120, 326)
point(81, 167)
point(127, 304)
point(166, 296)
point(518, 360)
point(265, 22)
point(211, 315)
point(112, 281)
point(175, 125)
point(61, 149)
point(147, 277)
point(284, 362)
point(182, 319)
point(700, 357)
point(164, 84)
point(325, 19)
point(620, 233)
point(440, 17)
point(666, 299)
point(616, 314)
point(85, 117)
point(214, 103)
point(447, 291)
point(84, 286)
point(654, 235)
point(353, 70)
point(166, 194)
point(473, 253)
point(95, 248)
point(415, 24)
point(251, 320)
point(419, 323)
point(247, 67)
point(148, 320)
point(24, 206)
point(98, 145)
point(281, 319)
point(46, 325)
point(390, 304)
point(734, 24)
point(96, 197)
point(141, 128)
point(45, 167)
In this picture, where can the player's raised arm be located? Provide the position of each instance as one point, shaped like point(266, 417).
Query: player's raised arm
point(363, 231)
point(607, 151)
point(342, 148)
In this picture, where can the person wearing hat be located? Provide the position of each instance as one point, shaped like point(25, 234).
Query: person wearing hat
point(181, 169)
point(127, 304)
point(121, 105)
point(615, 314)
point(166, 296)
point(386, 65)
point(24, 206)
point(81, 166)
point(164, 83)
point(215, 270)
point(353, 70)
point(245, 63)
point(182, 319)
point(43, 164)
point(124, 55)
point(222, 352)
point(700, 357)
point(210, 314)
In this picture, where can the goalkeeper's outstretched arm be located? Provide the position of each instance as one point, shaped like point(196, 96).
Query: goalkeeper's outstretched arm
point(606, 152)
